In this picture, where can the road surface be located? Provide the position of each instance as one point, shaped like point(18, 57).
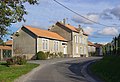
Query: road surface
point(66, 71)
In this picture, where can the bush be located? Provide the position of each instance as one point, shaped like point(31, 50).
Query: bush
point(21, 60)
point(10, 61)
point(47, 54)
point(51, 55)
point(41, 55)
point(18, 60)
point(61, 54)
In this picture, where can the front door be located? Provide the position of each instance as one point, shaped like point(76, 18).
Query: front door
point(64, 49)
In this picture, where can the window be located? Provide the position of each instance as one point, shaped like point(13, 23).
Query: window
point(56, 45)
point(77, 49)
point(76, 39)
point(80, 39)
point(84, 50)
point(81, 50)
point(45, 44)
point(83, 41)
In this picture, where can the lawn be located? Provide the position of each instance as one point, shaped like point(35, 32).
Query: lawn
point(108, 69)
point(9, 74)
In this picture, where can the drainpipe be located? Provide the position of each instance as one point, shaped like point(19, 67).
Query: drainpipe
point(1, 54)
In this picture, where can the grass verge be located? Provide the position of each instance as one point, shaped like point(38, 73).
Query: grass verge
point(108, 69)
point(9, 74)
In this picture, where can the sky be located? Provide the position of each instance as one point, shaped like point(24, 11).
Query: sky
point(48, 12)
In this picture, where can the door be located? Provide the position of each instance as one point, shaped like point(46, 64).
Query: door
point(64, 49)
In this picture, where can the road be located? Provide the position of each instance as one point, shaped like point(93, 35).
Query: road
point(66, 71)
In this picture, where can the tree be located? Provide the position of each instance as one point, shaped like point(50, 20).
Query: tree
point(118, 43)
point(12, 11)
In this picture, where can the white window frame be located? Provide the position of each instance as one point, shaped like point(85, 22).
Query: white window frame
point(85, 49)
point(75, 38)
point(45, 44)
point(80, 39)
point(77, 50)
point(56, 45)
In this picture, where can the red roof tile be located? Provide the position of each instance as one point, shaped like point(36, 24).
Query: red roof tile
point(45, 33)
point(90, 43)
point(6, 47)
point(71, 28)
point(9, 42)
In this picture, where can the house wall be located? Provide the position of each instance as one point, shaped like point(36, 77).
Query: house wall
point(70, 36)
point(80, 48)
point(24, 44)
point(65, 33)
point(50, 45)
point(91, 49)
point(0, 55)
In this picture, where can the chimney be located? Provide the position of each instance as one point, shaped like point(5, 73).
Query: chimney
point(79, 26)
point(64, 21)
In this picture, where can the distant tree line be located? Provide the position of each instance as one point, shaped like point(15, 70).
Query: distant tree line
point(112, 48)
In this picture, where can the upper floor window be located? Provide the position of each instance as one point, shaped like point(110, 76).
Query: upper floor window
point(76, 39)
point(80, 40)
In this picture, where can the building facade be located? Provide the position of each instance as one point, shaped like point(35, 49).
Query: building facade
point(28, 41)
point(6, 50)
point(61, 37)
point(77, 39)
point(91, 48)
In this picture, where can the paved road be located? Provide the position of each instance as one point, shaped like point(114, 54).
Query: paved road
point(65, 71)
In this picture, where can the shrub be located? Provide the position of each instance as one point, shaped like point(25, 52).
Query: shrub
point(10, 61)
point(41, 55)
point(61, 54)
point(47, 54)
point(51, 55)
point(21, 60)
point(18, 60)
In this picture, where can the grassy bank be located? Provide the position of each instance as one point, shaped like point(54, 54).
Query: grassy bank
point(107, 69)
point(9, 74)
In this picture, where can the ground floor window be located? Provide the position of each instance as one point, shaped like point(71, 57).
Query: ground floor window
point(77, 49)
point(56, 45)
point(85, 50)
point(45, 44)
point(81, 50)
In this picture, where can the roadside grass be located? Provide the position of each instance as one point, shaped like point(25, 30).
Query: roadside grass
point(108, 68)
point(9, 74)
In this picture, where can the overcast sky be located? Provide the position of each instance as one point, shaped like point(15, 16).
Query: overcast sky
point(48, 12)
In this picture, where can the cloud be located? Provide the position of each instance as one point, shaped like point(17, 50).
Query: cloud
point(88, 30)
point(109, 31)
point(93, 17)
point(106, 14)
point(116, 12)
point(111, 13)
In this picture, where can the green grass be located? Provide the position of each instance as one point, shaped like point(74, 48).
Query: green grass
point(9, 74)
point(108, 69)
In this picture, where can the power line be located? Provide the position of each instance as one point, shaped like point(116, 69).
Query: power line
point(81, 15)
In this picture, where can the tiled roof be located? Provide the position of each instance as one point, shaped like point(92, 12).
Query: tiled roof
point(9, 42)
point(45, 33)
point(71, 28)
point(98, 45)
point(6, 47)
point(90, 43)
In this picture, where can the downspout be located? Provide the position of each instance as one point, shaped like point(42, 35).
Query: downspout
point(72, 47)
